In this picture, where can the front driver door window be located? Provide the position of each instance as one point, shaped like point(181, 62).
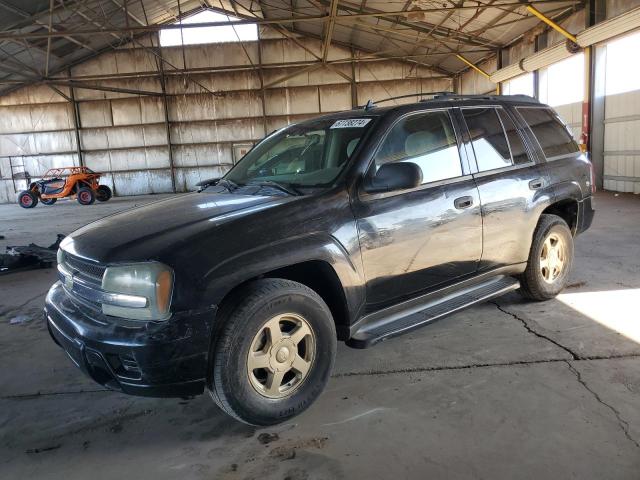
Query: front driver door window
point(414, 240)
point(427, 140)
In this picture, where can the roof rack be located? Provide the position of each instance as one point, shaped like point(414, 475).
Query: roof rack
point(372, 104)
point(450, 95)
point(461, 96)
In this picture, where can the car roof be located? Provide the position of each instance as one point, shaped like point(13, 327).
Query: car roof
point(440, 100)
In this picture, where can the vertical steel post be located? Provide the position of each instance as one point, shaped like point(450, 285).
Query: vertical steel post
point(77, 124)
point(354, 87)
point(165, 107)
point(262, 89)
point(596, 61)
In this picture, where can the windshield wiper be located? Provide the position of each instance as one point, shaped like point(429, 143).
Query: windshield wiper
point(228, 184)
point(280, 186)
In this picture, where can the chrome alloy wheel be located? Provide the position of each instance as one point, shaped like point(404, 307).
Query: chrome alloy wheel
point(553, 257)
point(281, 355)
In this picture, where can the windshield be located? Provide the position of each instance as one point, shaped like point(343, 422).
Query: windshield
point(306, 155)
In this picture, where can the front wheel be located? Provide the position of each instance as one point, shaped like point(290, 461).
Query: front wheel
point(274, 352)
point(550, 259)
point(27, 199)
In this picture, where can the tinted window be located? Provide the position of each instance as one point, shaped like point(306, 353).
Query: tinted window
point(426, 139)
point(518, 150)
point(487, 136)
point(551, 133)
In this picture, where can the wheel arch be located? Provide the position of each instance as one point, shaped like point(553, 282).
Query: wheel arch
point(319, 276)
point(567, 209)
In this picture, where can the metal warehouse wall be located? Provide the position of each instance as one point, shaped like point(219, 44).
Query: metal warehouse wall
point(124, 135)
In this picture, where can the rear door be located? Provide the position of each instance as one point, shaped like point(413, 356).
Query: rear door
point(513, 187)
point(412, 240)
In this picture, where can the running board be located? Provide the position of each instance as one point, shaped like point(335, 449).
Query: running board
point(380, 329)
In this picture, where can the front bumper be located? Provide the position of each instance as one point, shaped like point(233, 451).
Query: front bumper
point(158, 359)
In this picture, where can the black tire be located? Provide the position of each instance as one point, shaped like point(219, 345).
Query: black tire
point(103, 193)
point(48, 201)
point(86, 196)
point(243, 318)
point(27, 199)
point(532, 282)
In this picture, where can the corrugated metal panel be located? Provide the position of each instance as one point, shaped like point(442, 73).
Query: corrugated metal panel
point(124, 135)
point(622, 142)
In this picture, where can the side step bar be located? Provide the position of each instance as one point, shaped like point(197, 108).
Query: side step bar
point(380, 329)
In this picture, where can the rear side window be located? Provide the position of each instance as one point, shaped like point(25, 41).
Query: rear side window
point(518, 150)
point(552, 135)
point(488, 138)
point(426, 139)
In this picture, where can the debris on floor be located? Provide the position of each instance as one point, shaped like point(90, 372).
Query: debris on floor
point(29, 257)
point(19, 319)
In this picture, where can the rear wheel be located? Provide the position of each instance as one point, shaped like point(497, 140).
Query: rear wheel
point(86, 196)
point(550, 259)
point(274, 353)
point(27, 199)
point(48, 201)
point(103, 193)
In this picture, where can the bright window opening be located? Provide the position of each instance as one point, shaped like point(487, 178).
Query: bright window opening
point(623, 72)
point(199, 35)
point(521, 85)
point(563, 83)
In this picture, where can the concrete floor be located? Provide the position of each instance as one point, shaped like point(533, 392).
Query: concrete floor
point(504, 390)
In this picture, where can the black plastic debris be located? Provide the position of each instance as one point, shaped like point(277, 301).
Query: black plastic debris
point(32, 256)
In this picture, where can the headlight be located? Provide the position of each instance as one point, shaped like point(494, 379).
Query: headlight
point(140, 291)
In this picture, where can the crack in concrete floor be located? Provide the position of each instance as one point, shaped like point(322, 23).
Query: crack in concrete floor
point(624, 425)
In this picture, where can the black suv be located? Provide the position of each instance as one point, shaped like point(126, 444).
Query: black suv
point(355, 226)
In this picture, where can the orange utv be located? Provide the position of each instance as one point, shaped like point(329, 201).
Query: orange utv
point(79, 182)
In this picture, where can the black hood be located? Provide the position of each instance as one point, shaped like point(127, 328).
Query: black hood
point(143, 233)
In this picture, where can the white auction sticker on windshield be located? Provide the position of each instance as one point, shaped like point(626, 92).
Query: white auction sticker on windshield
point(351, 123)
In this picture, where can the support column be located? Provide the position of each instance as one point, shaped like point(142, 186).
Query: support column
point(77, 125)
point(354, 87)
point(165, 107)
point(594, 106)
point(262, 89)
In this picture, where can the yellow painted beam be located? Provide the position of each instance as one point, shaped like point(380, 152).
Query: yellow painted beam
point(477, 69)
point(551, 23)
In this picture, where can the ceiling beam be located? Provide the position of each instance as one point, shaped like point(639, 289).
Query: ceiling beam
point(369, 13)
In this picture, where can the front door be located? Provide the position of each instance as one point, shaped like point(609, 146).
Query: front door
point(413, 240)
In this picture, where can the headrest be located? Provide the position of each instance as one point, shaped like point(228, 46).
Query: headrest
point(419, 143)
point(351, 146)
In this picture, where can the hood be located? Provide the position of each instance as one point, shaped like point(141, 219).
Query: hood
point(141, 233)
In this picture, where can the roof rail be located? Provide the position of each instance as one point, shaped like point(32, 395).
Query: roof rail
point(450, 95)
point(461, 96)
point(372, 103)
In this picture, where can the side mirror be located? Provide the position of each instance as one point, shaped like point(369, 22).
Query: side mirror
point(206, 183)
point(394, 176)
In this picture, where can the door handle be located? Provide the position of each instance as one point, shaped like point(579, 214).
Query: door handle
point(536, 184)
point(463, 202)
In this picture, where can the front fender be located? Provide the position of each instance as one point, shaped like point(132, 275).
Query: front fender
point(238, 269)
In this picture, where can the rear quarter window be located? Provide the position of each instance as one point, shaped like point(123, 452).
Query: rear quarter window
point(552, 135)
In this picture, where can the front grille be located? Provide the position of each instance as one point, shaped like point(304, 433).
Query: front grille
point(86, 270)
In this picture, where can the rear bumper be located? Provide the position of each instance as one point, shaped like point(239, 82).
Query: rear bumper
point(585, 215)
point(158, 359)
